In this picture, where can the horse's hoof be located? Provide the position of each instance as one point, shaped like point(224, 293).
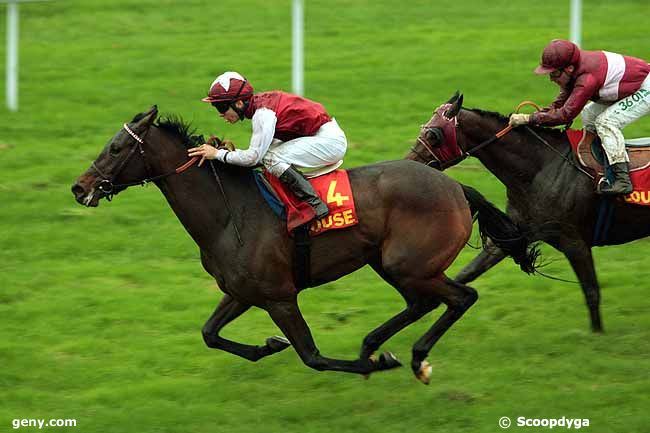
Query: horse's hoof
point(387, 361)
point(424, 372)
point(277, 343)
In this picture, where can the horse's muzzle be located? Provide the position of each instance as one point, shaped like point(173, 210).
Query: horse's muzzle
point(86, 193)
point(82, 197)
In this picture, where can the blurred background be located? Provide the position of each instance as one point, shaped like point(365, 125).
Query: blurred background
point(101, 309)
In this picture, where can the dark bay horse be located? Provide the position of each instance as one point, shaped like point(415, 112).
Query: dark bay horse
point(544, 186)
point(413, 223)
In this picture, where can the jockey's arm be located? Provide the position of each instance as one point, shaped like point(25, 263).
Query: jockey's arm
point(575, 102)
point(264, 121)
point(561, 99)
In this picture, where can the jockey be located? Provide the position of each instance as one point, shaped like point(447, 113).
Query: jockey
point(288, 132)
point(619, 87)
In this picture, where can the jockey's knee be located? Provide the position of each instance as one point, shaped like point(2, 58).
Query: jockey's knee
point(609, 132)
point(605, 124)
point(275, 166)
point(589, 126)
point(588, 120)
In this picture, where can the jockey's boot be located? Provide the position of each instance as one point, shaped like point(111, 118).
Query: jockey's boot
point(622, 184)
point(304, 191)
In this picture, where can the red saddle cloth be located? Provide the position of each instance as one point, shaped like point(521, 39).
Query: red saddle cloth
point(333, 188)
point(639, 165)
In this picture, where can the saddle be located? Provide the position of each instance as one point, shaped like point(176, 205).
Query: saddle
point(334, 187)
point(588, 149)
point(591, 155)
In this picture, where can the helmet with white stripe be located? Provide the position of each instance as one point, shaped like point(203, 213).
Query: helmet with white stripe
point(229, 87)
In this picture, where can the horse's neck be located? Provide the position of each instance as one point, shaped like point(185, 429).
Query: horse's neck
point(513, 159)
point(198, 201)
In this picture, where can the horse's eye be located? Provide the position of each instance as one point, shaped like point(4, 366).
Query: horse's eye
point(114, 150)
point(434, 135)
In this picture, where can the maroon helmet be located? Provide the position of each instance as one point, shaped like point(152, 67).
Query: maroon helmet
point(229, 87)
point(558, 54)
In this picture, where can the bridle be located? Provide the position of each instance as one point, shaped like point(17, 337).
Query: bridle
point(424, 130)
point(435, 161)
point(442, 165)
point(465, 153)
point(107, 185)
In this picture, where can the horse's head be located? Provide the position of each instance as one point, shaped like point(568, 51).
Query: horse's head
point(436, 145)
point(121, 163)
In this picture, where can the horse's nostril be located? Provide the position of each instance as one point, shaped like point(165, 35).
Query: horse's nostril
point(77, 190)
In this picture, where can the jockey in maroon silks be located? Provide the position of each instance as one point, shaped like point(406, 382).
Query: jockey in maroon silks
point(618, 87)
point(290, 133)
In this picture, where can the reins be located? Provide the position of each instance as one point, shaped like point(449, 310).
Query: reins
point(501, 133)
point(225, 199)
point(573, 164)
point(509, 128)
point(546, 143)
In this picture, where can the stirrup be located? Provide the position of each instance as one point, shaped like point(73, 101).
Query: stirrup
point(608, 189)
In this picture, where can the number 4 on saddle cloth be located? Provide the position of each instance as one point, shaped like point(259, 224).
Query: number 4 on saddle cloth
point(587, 148)
point(333, 188)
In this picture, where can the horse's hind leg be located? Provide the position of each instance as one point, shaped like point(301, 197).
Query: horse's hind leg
point(287, 316)
point(484, 261)
point(416, 307)
point(227, 311)
point(458, 299)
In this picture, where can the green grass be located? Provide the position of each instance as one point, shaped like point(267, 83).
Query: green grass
point(101, 309)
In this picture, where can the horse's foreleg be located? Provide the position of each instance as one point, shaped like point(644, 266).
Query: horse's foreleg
point(458, 299)
point(287, 316)
point(486, 259)
point(228, 310)
point(582, 263)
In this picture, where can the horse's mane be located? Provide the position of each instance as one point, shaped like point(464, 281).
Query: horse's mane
point(176, 125)
point(557, 133)
point(486, 113)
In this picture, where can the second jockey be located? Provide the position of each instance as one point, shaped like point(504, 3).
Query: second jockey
point(618, 87)
point(290, 133)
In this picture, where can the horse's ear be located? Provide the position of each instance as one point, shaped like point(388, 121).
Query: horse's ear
point(150, 116)
point(455, 107)
point(453, 97)
point(144, 120)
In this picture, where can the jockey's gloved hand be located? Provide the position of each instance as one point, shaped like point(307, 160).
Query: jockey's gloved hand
point(204, 151)
point(214, 141)
point(228, 144)
point(221, 144)
point(518, 119)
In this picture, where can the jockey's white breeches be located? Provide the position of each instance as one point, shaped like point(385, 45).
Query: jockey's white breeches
point(608, 120)
point(327, 147)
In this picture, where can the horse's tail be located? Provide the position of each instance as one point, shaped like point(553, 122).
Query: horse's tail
point(504, 232)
